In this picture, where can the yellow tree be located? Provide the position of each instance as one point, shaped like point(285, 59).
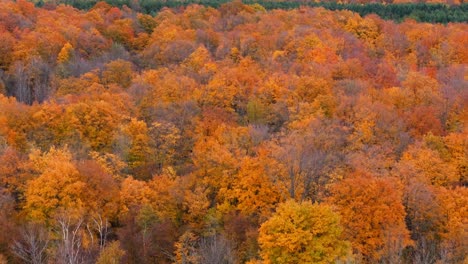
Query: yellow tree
point(102, 191)
point(70, 189)
point(256, 191)
point(421, 89)
point(186, 252)
point(49, 127)
point(197, 59)
point(197, 205)
point(424, 164)
point(14, 122)
point(95, 121)
point(119, 72)
point(365, 29)
point(165, 138)
point(457, 148)
point(199, 65)
point(302, 233)
point(134, 143)
point(454, 203)
point(65, 53)
point(6, 49)
point(59, 187)
point(167, 195)
point(111, 254)
point(133, 194)
point(216, 156)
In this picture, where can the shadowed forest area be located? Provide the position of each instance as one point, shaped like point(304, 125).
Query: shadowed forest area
point(238, 133)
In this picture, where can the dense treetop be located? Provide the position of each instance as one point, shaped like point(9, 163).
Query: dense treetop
point(230, 135)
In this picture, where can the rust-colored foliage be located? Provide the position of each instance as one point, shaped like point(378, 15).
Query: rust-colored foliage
point(372, 214)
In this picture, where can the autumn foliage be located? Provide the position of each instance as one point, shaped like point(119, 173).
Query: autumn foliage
point(230, 135)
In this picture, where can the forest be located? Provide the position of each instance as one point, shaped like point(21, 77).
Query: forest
point(231, 134)
point(433, 12)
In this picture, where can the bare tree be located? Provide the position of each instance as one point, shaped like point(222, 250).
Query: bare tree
point(304, 164)
point(40, 75)
point(70, 248)
point(426, 252)
point(31, 248)
point(393, 248)
point(31, 81)
point(309, 156)
point(22, 92)
point(216, 250)
point(100, 226)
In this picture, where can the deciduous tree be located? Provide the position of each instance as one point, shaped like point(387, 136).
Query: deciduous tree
point(302, 233)
point(372, 214)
